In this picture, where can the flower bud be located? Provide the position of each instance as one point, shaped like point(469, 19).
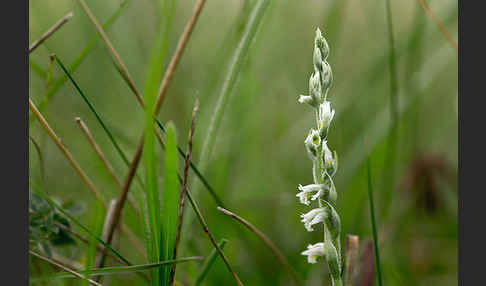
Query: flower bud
point(321, 43)
point(326, 76)
point(317, 59)
point(315, 88)
point(324, 117)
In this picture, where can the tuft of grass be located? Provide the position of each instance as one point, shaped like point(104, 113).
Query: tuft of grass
point(373, 224)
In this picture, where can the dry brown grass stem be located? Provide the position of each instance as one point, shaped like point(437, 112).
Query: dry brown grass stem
point(184, 188)
point(65, 151)
point(105, 162)
point(352, 264)
point(111, 49)
point(67, 269)
point(267, 241)
point(181, 45)
point(51, 31)
point(439, 24)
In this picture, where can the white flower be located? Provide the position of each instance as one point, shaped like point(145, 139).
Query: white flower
point(315, 216)
point(313, 252)
point(307, 99)
point(325, 115)
point(312, 143)
point(306, 192)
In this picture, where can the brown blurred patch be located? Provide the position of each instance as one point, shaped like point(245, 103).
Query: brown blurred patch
point(420, 180)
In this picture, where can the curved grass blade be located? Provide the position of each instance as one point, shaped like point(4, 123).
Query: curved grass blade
point(373, 225)
point(116, 270)
point(209, 262)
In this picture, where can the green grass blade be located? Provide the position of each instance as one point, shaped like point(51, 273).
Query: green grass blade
point(76, 222)
point(373, 225)
point(115, 270)
point(235, 67)
point(98, 118)
point(170, 202)
point(209, 262)
point(58, 83)
point(96, 226)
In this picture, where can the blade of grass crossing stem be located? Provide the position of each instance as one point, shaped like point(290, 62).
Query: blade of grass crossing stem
point(75, 221)
point(59, 82)
point(194, 169)
point(231, 77)
point(170, 203)
point(116, 269)
point(209, 262)
point(97, 223)
point(373, 225)
point(98, 118)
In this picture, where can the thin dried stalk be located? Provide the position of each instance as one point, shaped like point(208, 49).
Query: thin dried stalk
point(111, 49)
point(267, 241)
point(65, 151)
point(105, 162)
point(51, 31)
point(211, 237)
point(181, 45)
point(67, 269)
point(184, 188)
point(439, 24)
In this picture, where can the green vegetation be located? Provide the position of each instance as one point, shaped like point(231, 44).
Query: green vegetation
point(394, 92)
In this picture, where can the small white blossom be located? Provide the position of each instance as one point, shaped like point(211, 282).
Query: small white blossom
point(313, 252)
point(306, 192)
point(312, 143)
point(313, 217)
point(307, 99)
point(325, 115)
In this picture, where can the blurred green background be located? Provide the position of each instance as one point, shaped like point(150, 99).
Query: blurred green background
point(259, 158)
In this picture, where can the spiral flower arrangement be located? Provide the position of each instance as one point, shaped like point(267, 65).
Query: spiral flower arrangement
point(324, 167)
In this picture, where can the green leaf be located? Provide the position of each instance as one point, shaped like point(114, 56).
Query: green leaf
point(170, 202)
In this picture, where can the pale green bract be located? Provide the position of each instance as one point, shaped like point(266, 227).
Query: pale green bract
point(324, 167)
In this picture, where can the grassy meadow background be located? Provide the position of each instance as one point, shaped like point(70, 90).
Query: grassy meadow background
point(258, 158)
